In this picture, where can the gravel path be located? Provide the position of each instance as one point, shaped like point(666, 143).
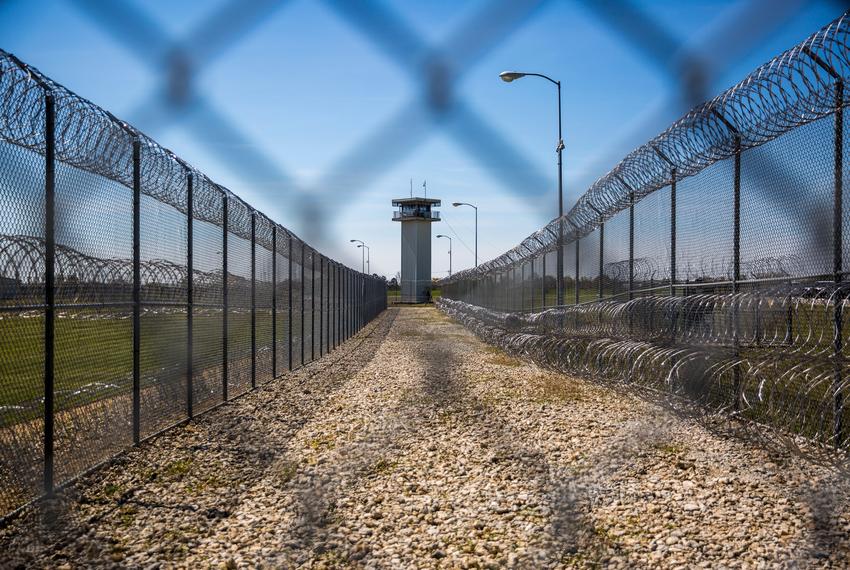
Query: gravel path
point(415, 445)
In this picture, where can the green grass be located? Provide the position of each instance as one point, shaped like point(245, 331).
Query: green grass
point(91, 348)
point(512, 301)
point(395, 295)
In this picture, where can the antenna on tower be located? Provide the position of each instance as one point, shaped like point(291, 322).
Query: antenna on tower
point(425, 186)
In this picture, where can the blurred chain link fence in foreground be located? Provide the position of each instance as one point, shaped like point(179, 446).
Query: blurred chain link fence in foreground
point(135, 292)
point(711, 262)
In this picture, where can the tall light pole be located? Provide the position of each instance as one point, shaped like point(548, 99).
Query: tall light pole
point(450, 251)
point(368, 258)
point(507, 77)
point(362, 255)
point(456, 204)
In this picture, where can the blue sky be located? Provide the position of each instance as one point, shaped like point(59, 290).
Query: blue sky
point(305, 87)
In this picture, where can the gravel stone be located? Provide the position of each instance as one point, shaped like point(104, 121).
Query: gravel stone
point(415, 445)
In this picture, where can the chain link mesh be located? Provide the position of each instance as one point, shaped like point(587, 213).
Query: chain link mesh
point(712, 260)
point(74, 399)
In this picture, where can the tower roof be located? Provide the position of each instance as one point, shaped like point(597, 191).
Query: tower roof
point(415, 201)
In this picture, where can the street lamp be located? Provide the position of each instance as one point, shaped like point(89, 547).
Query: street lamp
point(456, 204)
point(450, 251)
point(507, 77)
point(368, 258)
point(362, 256)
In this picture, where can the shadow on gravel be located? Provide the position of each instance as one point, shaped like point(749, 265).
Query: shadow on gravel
point(511, 455)
point(316, 487)
point(245, 438)
point(826, 497)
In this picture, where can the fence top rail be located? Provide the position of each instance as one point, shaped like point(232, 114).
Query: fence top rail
point(94, 140)
point(797, 87)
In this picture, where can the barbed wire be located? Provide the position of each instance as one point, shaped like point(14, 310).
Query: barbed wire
point(776, 366)
point(95, 141)
point(794, 88)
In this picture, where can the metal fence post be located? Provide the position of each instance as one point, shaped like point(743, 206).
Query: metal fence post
point(837, 238)
point(601, 260)
point(675, 313)
point(492, 292)
point(736, 269)
point(355, 304)
point(577, 274)
point(521, 286)
point(346, 300)
point(274, 301)
point(559, 266)
point(336, 305)
point(321, 306)
point(673, 232)
point(672, 219)
point(190, 295)
point(543, 282)
point(289, 306)
point(313, 306)
point(631, 247)
point(49, 283)
point(736, 255)
point(631, 258)
point(532, 285)
point(137, 288)
point(253, 299)
point(837, 233)
point(504, 284)
point(674, 316)
point(225, 300)
point(335, 314)
point(347, 293)
point(303, 273)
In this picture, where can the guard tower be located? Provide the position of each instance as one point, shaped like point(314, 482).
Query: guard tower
point(416, 216)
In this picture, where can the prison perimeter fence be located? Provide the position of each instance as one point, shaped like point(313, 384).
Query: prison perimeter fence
point(711, 262)
point(135, 292)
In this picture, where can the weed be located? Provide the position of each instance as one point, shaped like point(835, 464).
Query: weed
point(286, 470)
point(504, 360)
point(322, 442)
point(671, 448)
point(558, 388)
point(383, 466)
point(111, 489)
point(177, 469)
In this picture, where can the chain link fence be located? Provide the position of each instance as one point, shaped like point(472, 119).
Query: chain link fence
point(711, 262)
point(135, 292)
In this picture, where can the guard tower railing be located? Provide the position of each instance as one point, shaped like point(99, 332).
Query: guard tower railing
point(433, 215)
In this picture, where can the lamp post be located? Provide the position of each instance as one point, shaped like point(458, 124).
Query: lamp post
point(456, 204)
point(450, 251)
point(362, 255)
point(368, 258)
point(507, 77)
